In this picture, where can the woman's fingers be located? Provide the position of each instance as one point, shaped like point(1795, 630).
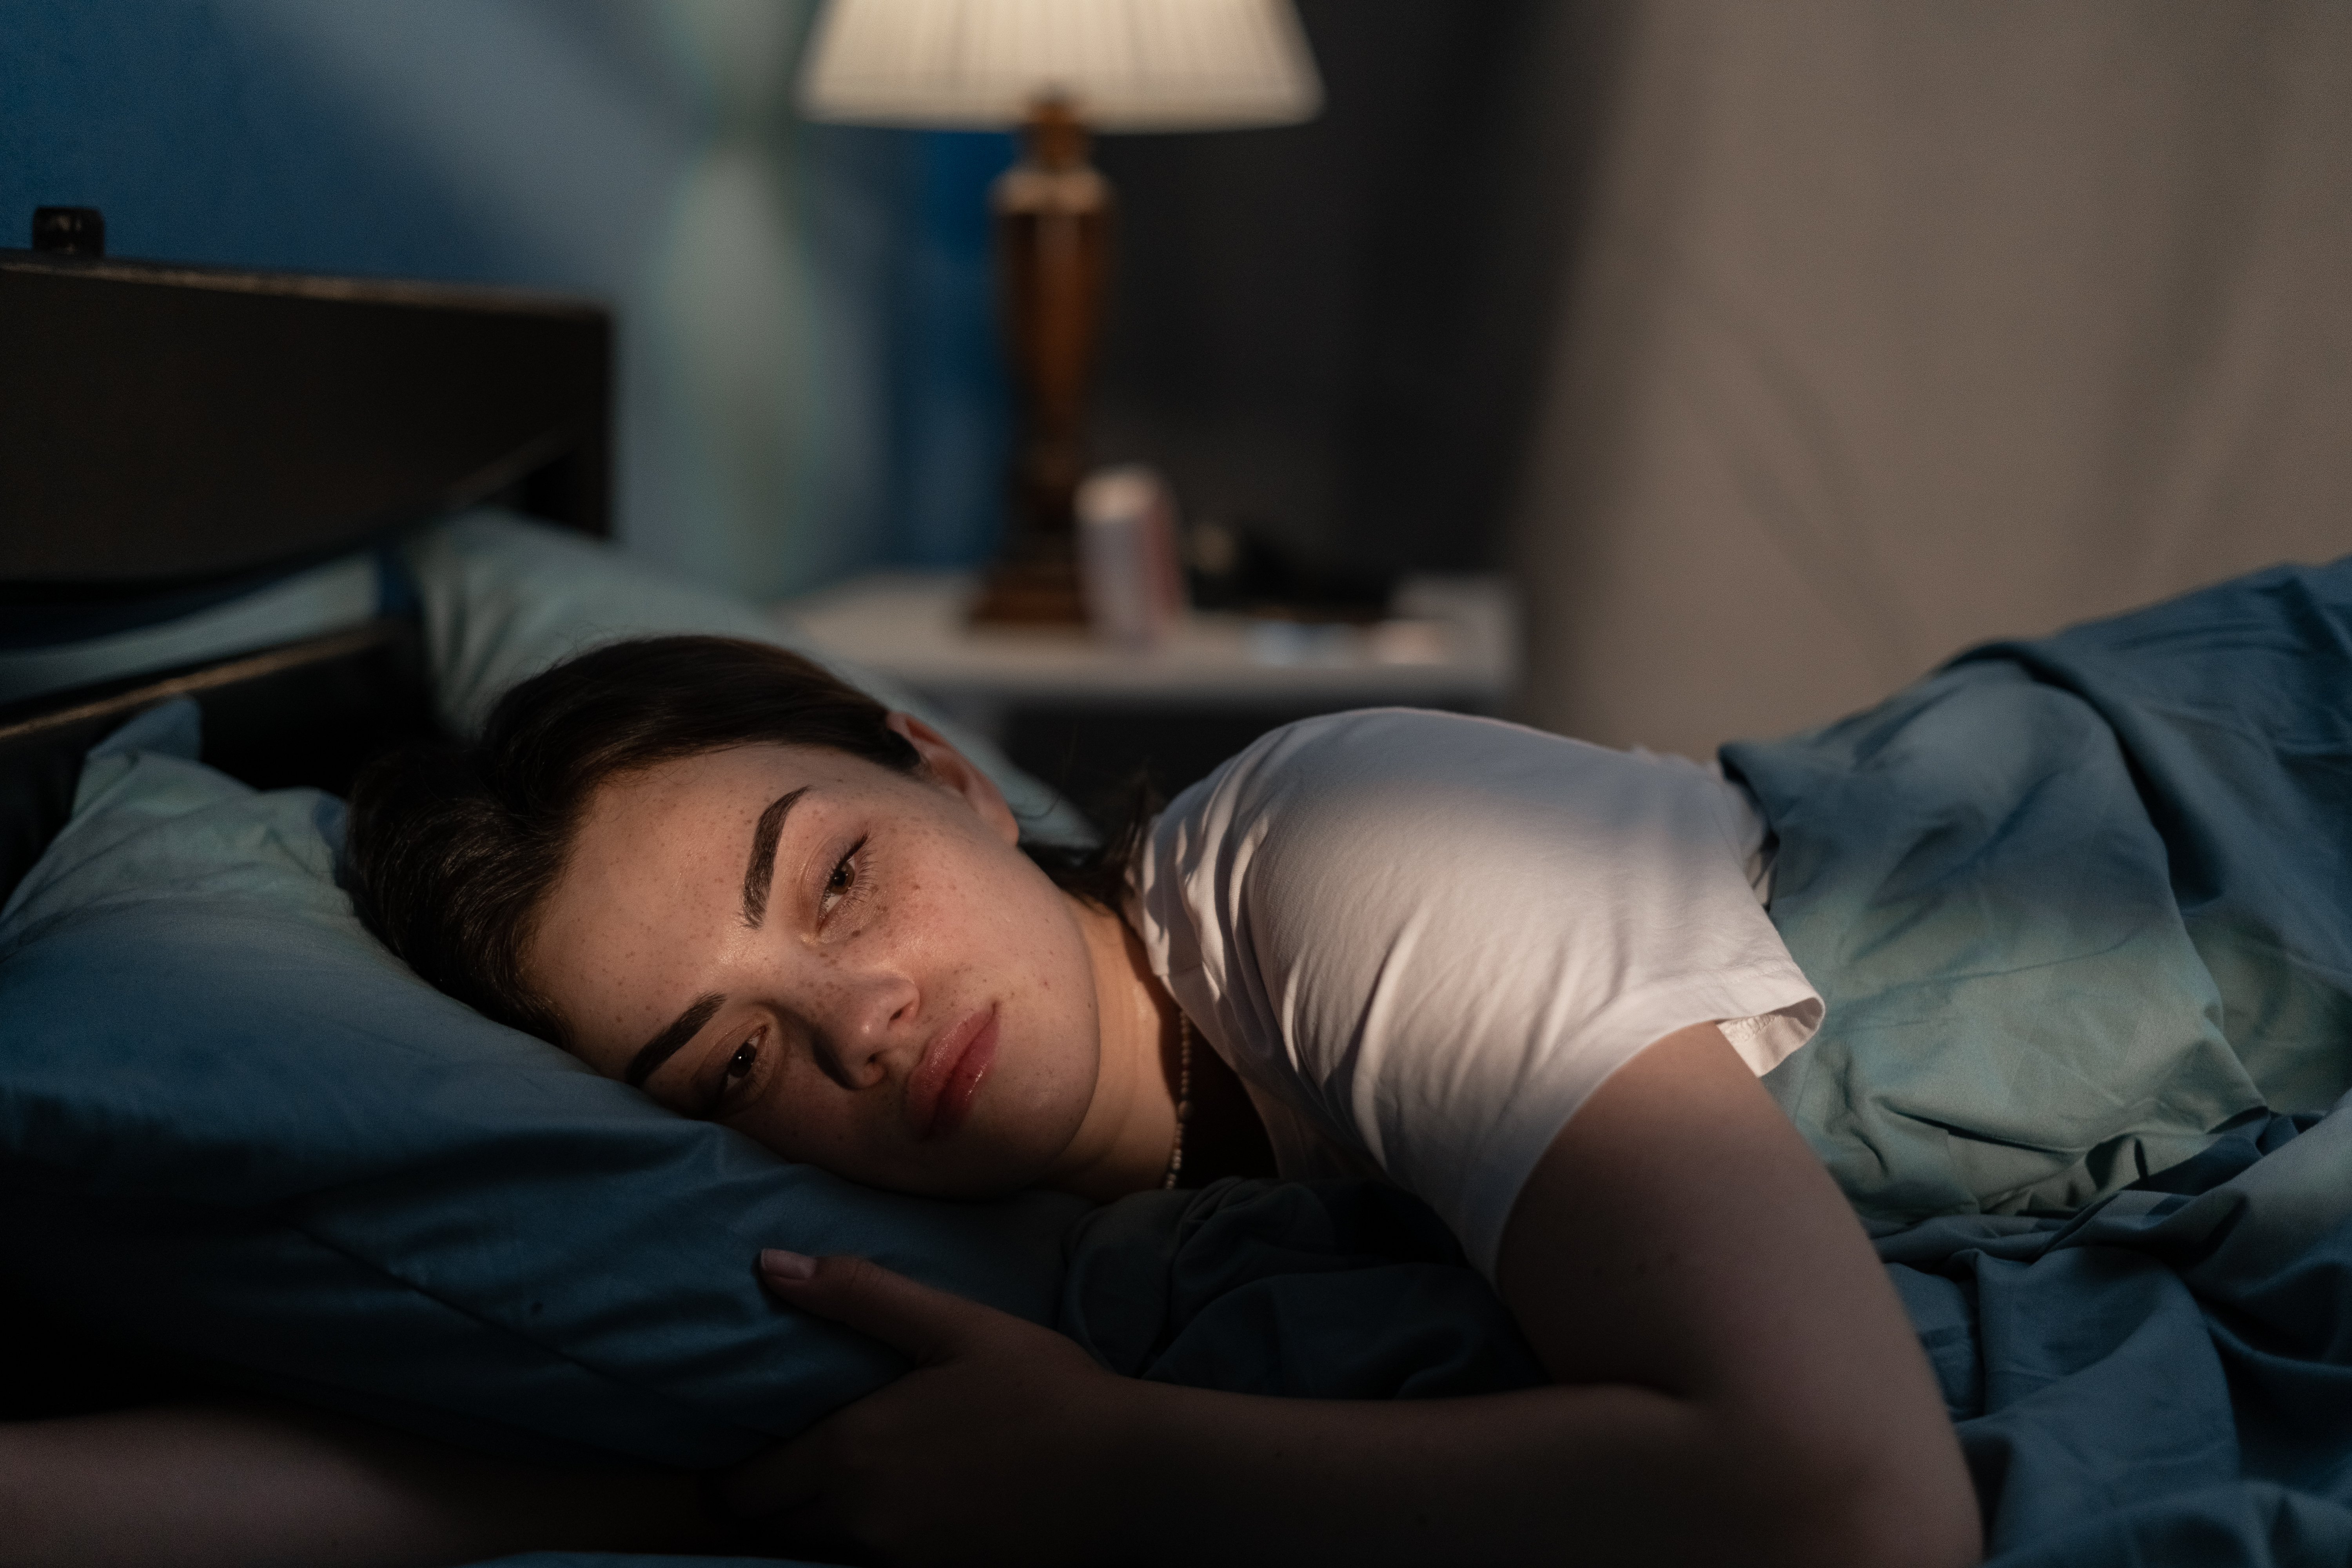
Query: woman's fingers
point(926, 1324)
point(991, 1447)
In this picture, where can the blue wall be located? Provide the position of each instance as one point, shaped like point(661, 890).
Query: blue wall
point(810, 380)
point(208, 140)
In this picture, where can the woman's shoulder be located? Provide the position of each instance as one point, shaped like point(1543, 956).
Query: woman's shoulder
point(1433, 775)
point(1385, 816)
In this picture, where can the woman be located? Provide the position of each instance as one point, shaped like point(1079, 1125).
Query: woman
point(1529, 980)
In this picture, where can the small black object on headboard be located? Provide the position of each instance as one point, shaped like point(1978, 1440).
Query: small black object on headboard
point(167, 425)
point(69, 231)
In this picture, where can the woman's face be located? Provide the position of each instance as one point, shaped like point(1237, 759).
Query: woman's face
point(855, 966)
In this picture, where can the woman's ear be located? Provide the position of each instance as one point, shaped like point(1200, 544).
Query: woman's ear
point(953, 772)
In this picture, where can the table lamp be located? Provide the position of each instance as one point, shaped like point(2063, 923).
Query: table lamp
point(1059, 69)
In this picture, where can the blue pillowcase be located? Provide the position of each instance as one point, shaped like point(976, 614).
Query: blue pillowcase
point(53, 648)
point(236, 1130)
point(504, 597)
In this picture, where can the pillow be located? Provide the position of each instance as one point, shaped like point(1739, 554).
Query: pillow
point(505, 597)
point(47, 648)
point(237, 1131)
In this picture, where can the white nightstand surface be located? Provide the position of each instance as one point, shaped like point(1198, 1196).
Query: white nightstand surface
point(1454, 642)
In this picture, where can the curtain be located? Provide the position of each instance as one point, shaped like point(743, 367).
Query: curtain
point(1891, 328)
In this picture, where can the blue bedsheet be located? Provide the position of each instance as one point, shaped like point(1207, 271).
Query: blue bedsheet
point(2166, 1379)
point(2077, 905)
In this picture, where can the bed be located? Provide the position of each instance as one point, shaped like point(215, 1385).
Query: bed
point(382, 503)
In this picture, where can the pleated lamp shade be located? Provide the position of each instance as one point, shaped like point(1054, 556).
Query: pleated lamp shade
point(1122, 65)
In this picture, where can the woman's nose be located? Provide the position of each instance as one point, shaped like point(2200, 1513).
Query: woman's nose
point(870, 1019)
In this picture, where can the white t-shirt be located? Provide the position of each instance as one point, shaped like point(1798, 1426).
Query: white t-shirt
point(1422, 940)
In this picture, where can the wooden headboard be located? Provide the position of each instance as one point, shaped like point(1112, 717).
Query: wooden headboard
point(163, 428)
point(164, 424)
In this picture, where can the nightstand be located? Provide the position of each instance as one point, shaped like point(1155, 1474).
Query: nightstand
point(1084, 715)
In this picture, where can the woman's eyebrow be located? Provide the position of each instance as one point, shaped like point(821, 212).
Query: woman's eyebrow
point(760, 870)
point(664, 1045)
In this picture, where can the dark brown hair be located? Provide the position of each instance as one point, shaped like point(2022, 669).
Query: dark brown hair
point(452, 849)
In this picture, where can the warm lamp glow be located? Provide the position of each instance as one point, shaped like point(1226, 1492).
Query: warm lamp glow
point(1059, 69)
point(1122, 65)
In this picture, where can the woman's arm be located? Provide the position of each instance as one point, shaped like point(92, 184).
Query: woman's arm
point(250, 1486)
point(1739, 1383)
point(1679, 1243)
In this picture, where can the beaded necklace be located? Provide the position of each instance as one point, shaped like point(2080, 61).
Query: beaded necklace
point(1183, 1098)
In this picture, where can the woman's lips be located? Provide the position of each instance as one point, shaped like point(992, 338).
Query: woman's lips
point(940, 1090)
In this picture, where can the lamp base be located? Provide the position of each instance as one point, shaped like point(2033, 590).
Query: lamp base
point(1037, 591)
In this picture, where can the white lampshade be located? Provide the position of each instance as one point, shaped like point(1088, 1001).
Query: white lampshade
point(1124, 65)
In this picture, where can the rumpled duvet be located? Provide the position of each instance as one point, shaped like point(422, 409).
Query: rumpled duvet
point(2165, 1378)
point(2082, 909)
point(2077, 905)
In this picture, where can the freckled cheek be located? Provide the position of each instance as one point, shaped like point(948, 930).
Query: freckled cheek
point(961, 929)
point(928, 915)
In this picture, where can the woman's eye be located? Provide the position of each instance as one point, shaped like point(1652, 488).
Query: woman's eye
point(742, 1066)
point(844, 881)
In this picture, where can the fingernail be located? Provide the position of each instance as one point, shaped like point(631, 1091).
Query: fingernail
point(775, 1262)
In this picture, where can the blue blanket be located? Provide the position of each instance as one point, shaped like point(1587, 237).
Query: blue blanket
point(2165, 1379)
point(2077, 906)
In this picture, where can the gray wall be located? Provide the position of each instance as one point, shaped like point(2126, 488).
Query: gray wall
point(1892, 328)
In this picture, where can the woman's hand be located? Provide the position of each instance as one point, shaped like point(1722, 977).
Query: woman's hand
point(986, 1450)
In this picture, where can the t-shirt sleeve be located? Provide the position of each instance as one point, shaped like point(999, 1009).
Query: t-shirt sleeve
point(1431, 938)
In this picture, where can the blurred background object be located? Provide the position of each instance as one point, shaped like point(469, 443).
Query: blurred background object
point(1128, 568)
point(1089, 714)
point(1060, 71)
point(1774, 353)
